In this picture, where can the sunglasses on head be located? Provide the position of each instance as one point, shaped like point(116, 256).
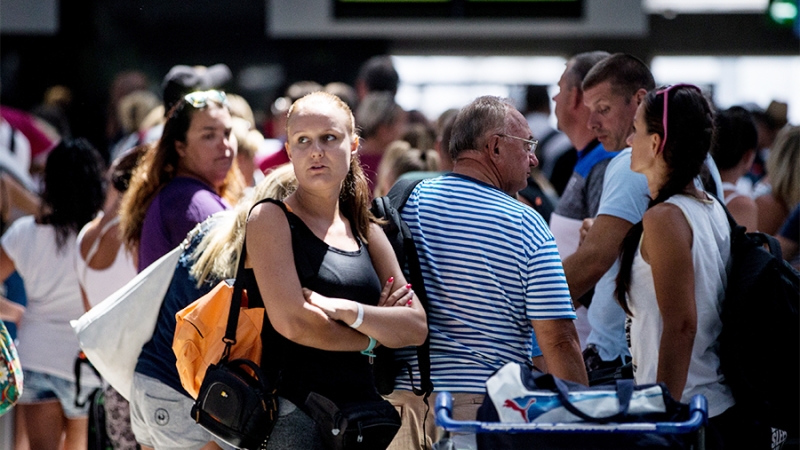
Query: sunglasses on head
point(664, 121)
point(200, 99)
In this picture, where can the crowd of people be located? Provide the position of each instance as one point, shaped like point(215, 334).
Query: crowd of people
point(578, 250)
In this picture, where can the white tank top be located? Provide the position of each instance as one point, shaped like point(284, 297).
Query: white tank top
point(99, 284)
point(733, 191)
point(710, 257)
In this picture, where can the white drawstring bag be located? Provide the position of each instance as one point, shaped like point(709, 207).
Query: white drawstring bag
point(112, 333)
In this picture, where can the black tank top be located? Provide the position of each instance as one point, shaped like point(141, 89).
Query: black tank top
point(296, 369)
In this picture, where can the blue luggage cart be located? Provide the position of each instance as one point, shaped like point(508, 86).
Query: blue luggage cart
point(698, 418)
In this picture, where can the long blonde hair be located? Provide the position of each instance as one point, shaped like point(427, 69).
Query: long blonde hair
point(217, 254)
point(157, 167)
point(783, 166)
point(354, 196)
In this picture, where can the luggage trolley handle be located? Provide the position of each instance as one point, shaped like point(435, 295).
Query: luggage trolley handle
point(698, 417)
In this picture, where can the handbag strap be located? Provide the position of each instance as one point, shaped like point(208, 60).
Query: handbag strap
point(236, 304)
point(238, 290)
point(624, 389)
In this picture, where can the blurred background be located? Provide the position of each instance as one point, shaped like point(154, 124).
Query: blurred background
point(445, 51)
point(96, 69)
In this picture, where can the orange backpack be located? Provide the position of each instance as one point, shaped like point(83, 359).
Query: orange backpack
point(200, 332)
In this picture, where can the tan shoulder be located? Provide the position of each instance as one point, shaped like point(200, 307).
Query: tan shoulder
point(374, 230)
point(663, 212)
point(264, 211)
point(667, 222)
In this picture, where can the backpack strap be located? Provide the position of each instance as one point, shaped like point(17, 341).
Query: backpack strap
point(398, 196)
point(80, 361)
point(399, 193)
point(739, 232)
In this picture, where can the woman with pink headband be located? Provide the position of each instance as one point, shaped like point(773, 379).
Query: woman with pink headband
point(672, 276)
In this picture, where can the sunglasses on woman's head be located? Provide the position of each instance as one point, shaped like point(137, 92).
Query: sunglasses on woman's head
point(665, 91)
point(200, 99)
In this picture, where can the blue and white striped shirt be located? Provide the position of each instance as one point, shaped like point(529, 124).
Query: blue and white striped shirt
point(490, 266)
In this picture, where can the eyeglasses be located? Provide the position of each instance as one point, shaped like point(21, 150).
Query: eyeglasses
point(531, 144)
point(200, 99)
point(666, 102)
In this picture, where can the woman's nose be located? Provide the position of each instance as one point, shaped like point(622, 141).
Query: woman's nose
point(316, 148)
point(229, 144)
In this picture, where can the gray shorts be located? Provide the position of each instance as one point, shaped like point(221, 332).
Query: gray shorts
point(161, 417)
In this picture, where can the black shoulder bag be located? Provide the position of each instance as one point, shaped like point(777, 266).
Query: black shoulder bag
point(367, 425)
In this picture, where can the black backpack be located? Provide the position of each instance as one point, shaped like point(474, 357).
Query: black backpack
point(760, 339)
point(385, 367)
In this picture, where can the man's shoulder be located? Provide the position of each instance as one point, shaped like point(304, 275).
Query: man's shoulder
point(623, 157)
point(456, 185)
point(466, 195)
point(599, 169)
point(472, 201)
point(625, 192)
point(619, 174)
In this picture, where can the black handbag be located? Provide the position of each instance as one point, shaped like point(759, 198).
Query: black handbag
point(235, 402)
point(369, 425)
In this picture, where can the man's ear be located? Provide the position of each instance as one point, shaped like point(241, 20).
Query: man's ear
point(492, 145)
point(639, 96)
point(577, 97)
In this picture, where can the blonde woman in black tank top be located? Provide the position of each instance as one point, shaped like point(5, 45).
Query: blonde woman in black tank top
point(327, 310)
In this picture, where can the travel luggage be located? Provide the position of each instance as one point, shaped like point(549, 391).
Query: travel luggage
point(693, 427)
point(541, 411)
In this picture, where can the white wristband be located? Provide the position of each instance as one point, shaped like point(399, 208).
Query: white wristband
point(360, 317)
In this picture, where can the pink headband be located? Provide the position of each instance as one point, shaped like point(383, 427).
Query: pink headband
point(665, 91)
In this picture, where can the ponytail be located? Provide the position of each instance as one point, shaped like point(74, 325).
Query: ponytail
point(354, 198)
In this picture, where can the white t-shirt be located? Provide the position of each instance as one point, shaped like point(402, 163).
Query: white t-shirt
point(710, 256)
point(625, 195)
point(47, 342)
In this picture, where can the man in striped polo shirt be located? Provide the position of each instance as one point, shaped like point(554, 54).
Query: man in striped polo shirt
point(491, 270)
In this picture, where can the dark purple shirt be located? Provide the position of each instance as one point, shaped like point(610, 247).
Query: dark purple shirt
point(182, 203)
